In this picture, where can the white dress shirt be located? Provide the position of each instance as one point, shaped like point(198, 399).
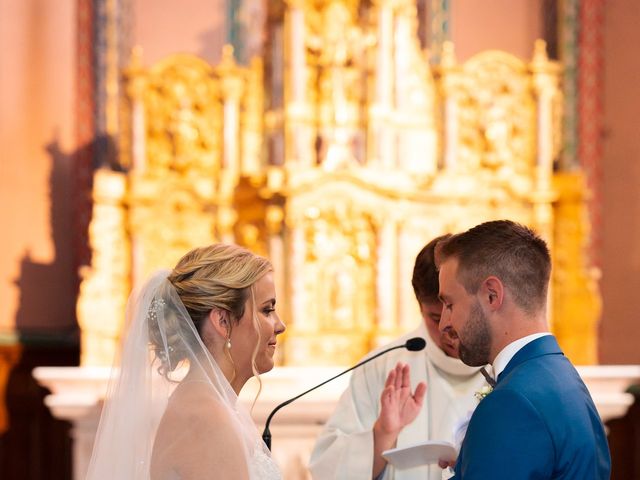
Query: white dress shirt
point(508, 352)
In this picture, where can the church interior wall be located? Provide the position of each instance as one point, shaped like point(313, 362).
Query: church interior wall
point(164, 27)
point(37, 41)
point(620, 207)
point(508, 25)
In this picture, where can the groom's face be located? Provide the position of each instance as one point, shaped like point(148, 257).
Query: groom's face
point(462, 316)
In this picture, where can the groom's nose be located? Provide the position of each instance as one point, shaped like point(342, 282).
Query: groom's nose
point(445, 321)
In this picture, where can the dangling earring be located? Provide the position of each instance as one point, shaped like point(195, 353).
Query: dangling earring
point(227, 351)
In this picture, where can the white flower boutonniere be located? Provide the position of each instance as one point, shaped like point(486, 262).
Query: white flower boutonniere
point(483, 392)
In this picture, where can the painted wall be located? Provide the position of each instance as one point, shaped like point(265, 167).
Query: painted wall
point(508, 25)
point(163, 27)
point(37, 41)
point(620, 328)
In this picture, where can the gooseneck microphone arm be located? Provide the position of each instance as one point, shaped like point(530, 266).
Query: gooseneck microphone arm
point(413, 344)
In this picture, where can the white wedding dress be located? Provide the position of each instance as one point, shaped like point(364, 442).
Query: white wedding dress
point(262, 465)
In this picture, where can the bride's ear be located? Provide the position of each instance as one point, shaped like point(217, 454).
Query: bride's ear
point(219, 320)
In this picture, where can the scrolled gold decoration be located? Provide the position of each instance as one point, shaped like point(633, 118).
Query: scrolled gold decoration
point(339, 276)
point(496, 116)
point(183, 113)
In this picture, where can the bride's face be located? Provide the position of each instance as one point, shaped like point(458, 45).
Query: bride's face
point(245, 336)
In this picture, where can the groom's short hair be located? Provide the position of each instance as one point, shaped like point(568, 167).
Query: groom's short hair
point(510, 251)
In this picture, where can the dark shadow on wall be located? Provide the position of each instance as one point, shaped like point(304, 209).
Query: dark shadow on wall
point(48, 290)
point(210, 45)
point(36, 445)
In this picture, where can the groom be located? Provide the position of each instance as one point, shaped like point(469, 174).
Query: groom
point(539, 422)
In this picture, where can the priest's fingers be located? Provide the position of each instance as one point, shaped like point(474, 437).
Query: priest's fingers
point(406, 376)
point(399, 375)
point(421, 390)
point(391, 378)
point(387, 396)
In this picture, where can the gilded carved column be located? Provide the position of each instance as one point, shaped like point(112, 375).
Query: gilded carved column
point(252, 121)
point(232, 86)
point(297, 291)
point(277, 254)
point(449, 85)
point(299, 135)
point(296, 50)
point(386, 280)
point(545, 85)
point(380, 132)
point(414, 97)
point(576, 298)
point(105, 284)
point(232, 89)
point(408, 239)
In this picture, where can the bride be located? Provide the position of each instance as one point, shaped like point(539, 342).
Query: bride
point(195, 335)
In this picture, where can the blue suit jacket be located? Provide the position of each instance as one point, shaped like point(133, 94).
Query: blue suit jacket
point(538, 423)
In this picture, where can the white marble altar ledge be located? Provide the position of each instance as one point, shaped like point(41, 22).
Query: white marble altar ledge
point(77, 394)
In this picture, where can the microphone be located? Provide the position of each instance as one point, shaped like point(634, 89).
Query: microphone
point(414, 344)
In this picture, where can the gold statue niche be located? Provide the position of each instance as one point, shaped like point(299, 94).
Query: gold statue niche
point(339, 161)
point(337, 49)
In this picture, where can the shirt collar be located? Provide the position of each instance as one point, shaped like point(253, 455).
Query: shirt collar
point(507, 353)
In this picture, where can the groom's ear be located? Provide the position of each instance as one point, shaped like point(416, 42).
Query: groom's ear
point(219, 319)
point(492, 293)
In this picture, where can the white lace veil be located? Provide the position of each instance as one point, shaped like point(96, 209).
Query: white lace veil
point(163, 354)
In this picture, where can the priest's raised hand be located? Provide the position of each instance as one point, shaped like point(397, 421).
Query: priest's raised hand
point(399, 406)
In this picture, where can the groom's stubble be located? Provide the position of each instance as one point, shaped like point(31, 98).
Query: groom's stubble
point(475, 338)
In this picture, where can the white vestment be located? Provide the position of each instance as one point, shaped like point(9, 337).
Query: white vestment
point(344, 449)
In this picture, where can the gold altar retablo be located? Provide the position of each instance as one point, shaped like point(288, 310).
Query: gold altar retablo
point(338, 155)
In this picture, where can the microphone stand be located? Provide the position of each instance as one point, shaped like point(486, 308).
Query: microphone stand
point(411, 344)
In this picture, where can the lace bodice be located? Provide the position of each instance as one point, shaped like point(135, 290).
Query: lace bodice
point(262, 466)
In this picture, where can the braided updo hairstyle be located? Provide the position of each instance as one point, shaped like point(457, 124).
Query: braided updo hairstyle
point(216, 276)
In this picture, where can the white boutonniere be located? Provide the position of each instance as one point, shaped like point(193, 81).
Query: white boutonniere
point(483, 392)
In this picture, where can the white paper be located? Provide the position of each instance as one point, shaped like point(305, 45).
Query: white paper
point(423, 453)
